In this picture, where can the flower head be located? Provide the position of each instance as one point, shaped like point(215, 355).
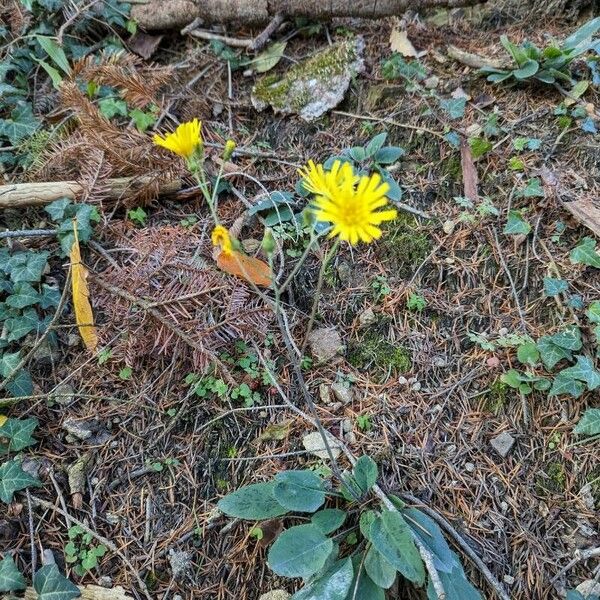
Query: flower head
point(348, 202)
point(228, 150)
point(183, 141)
point(220, 237)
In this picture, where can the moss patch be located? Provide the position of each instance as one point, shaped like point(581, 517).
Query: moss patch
point(404, 247)
point(553, 481)
point(496, 397)
point(381, 358)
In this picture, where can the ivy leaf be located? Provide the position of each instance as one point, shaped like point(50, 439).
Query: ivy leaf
point(365, 473)
point(11, 578)
point(57, 209)
point(566, 385)
point(528, 354)
point(299, 490)
point(21, 125)
point(24, 294)
point(455, 107)
point(533, 189)
point(21, 384)
point(479, 146)
point(18, 432)
point(554, 287)
point(329, 519)
point(392, 537)
point(300, 551)
point(593, 312)
point(516, 224)
point(585, 253)
point(379, 569)
point(49, 297)
point(585, 371)
point(550, 353)
point(334, 584)
point(252, 502)
point(13, 479)
point(19, 326)
point(589, 424)
point(28, 266)
point(51, 584)
point(569, 338)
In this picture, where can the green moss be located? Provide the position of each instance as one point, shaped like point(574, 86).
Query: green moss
point(553, 480)
point(404, 247)
point(282, 91)
point(380, 357)
point(496, 397)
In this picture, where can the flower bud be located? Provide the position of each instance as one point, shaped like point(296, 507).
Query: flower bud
point(268, 242)
point(228, 150)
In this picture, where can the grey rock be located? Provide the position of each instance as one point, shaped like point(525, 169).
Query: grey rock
point(312, 87)
point(416, 387)
point(509, 579)
point(366, 318)
point(469, 467)
point(250, 245)
point(63, 394)
point(347, 425)
point(78, 429)
point(402, 380)
point(105, 581)
point(324, 395)
point(180, 561)
point(314, 444)
point(503, 443)
point(343, 393)
point(432, 82)
point(276, 595)
point(350, 437)
point(325, 343)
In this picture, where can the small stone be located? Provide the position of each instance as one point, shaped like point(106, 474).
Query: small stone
point(509, 579)
point(366, 318)
point(402, 380)
point(474, 130)
point(250, 245)
point(589, 588)
point(344, 393)
point(451, 449)
point(502, 331)
point(314, 444)
point(180, 561)
point(504, 507)
point(448, 226)
point(432, 82)
point(347, 425)
point(263, 414)
point(416, 387)
point(493, 362)
point(217, 109)
point(587, 496)
point(503, 443)
point(46, 355)
point(63, 394)
point(73, 340)
point(436, 408)
point(78, 429)
point(324, 395)
point(105, 581)
point(350, 437)
point(439, 361)
point(336, 406)
point(276, 595)
point(325, 343)
point(469, 467)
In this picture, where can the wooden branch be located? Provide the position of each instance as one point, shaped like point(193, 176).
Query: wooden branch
point(161, 14)
point(18, 195)
point(90, 592)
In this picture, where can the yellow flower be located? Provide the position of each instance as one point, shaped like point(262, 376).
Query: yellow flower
point(3, 420)
point(228, 150)
point(349, 202)
point(183, 141)
point(220, 237)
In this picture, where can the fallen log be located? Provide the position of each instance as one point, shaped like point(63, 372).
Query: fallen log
point(161, 14)
point(18, 195)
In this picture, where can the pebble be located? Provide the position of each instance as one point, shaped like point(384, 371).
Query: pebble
point(324, 395)
point(469, 467)
point(415, 387)
point(347, 425)
point(350, 437)
point(448, 226)
point(314, 444)
point(366, 318)
point(343, 392)
point(432, 82)
point(276, 595)
point(402, 380)
point(503, 331)
point(63, 394)
point(503, 443)
point(105, 581)
point(325, 343)
point(509, 579)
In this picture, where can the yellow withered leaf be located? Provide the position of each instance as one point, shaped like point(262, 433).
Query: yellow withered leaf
point(3, 420)
point(247, 267)
point(84, 317)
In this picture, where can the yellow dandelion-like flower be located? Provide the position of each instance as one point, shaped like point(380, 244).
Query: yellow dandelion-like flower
point(324, 183)
point(183, 141)
point(350, 202)
point(220, 237)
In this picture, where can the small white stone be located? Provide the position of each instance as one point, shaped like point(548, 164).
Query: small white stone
point(502, 331)
point(343, 392)
point(469, 467)
point(315, 445)
point(347, 425)
point(509, 579)
point(402, 380)
point(432, 82)
point(416, 386)
point(366, 318)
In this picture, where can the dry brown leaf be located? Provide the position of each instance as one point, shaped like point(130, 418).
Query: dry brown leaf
point(469, 172)
point(3, 420)
point(399, 42)
point(247, 267)
point(84, 317)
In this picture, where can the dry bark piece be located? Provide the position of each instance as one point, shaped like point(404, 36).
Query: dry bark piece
point(469, 172)
point(158, 14)
point(586, 212)
point(475, 61)
point(90, 592)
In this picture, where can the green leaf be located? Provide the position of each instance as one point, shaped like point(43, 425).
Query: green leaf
point(269, 57)
point(366, 588)
point(299, 490)
point(569, 338)
point(388, 155)
point(252, 502)
point(516, 224)
point(329, 519)
point(111, 107)
point(365, 473)
point(455, 107)
point(479, 146)
point(57, 209)
point(517, 54)
point(533, 189)
point(375, 145)
point(593, 312)
point(142, 119)
point(13, 479)
point(300, 551)
point(456, 586)
point(430, 534)
point(21, 125)
point(584, 371)
point(512, 378)
point(18, 327)
point(357, 153)
point(366, 520)
point(550, 353)
point(21, 384)
point(51, 584)
point(566, 385)
point(24, 294)
point(55, 52)
point(585, 253)
point(554, 287)
point(528, 354)
point(589, 424)
point(582, 34)
point(18, 432)
point(392, 537)
point(379, 569)
point(334, 584)
point(49, 297)
point(499, 76)
point(528, 69)
point(11, 578)
point(53, 73)
point(28, 266)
